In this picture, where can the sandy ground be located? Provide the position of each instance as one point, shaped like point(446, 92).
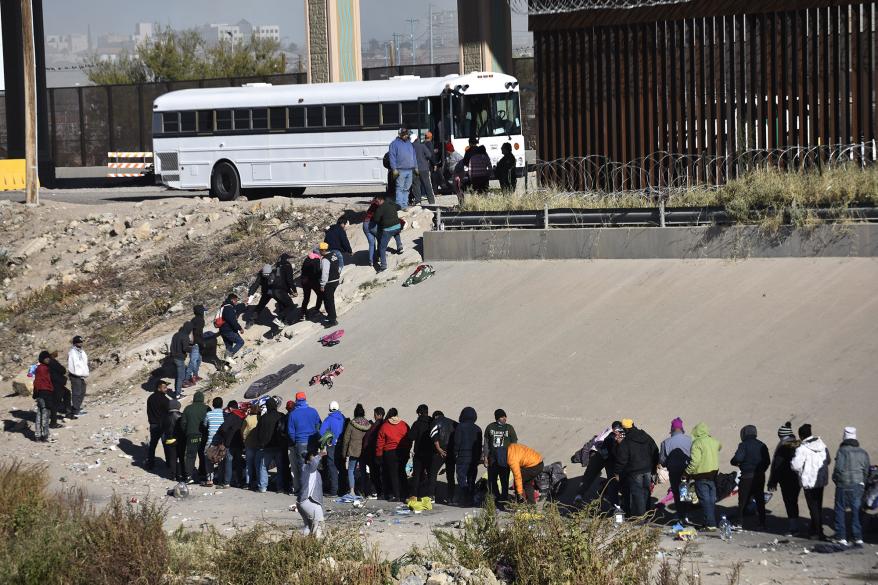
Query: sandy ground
point(564, 347)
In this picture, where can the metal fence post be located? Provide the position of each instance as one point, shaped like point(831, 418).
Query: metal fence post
point(546, 216)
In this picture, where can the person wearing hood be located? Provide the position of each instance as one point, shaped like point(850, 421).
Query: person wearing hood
point(303, 423)
point(782, 474)
point(703, 467)
point(850, 475)
point(674, 456)
point(811, 464)
point(45, 398)
point(334, 423)
point(442, 436)
point(467, 454)
point(193, 428)
point(269, 441)
point(498, 436)
point(419, 437)
point(330, 277)
point(309, 278)
point(174, 441)
point(375, 485)
point(156, 410)
point(352, 449)
point(196, 351)
point(231, 330)
point(337, 239)
point(181, 344)
point(636, 463)
point(391, 450)
point(526, 465)
point(753, 460)
point(229, 435)
point(77, 369)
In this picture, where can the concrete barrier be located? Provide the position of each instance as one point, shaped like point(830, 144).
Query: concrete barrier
point(835, 240)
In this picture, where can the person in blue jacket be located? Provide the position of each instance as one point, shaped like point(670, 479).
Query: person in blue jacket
point(334, 423)
point(303, 423)
point(403, 166)
point(231, 330)
point(337, 239)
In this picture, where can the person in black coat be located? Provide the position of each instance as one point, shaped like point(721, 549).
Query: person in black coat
point(61, 394)
point(156, 410)
point(181, 344)
point(467, 454)
point(419, 436)
point(174, 441)
point(337, 239)
point(310, 281)
point(753, 460)
point(783, 475)
point(637, 458)
point(231, 330)
point(270, 442)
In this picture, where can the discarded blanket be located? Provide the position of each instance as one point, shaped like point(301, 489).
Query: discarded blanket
point(271, 381)
point(332, 339)
point(421, 273)
point(326, 377)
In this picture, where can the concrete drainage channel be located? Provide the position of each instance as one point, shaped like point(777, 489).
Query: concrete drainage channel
point(634, 234)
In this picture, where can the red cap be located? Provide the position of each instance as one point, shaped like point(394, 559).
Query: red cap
point(300, 396)
point(290, 405)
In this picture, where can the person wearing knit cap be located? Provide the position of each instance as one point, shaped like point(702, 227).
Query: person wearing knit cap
point(752, 458)
point(330, 277)
point(497, 438)
point(782, 475)
point(811, 464)
point(674, 455)
point(850, 476)
point(636, 460)
point(627, 424)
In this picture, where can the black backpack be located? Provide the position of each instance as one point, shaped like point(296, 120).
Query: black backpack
point(274, 278)
point(480, 167)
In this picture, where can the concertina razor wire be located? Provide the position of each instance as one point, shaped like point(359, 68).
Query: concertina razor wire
point(538, 7)
point(668, 173)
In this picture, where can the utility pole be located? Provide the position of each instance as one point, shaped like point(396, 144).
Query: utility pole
point(430, 6)
point(32, 187)
point(396, 42)
point(412, 22)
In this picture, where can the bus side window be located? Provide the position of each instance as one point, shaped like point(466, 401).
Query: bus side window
point(410, 115)
point(277, 118)
point(187, 121)
point(260, 119)
point(390, 114)
point(224, 119)
point(205, 121)
point(352, 116)
point(297, 117)
point(315, 116)
point(333, 116)
point(242, 119)
point(171, 121)
point(371, 115)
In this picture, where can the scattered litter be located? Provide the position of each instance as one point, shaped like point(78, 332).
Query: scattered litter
point(327, 376)
point(332, 339)
point(421, 273)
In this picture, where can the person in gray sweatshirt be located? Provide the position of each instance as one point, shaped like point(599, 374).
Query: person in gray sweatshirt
point(850, 475)
point(674, 456)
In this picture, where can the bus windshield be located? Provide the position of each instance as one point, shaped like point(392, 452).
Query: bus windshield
point(495, 114)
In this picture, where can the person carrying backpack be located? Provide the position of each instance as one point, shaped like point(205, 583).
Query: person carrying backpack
point(45, 398)
point(478, 166)
point(505, 169)
point(753, 460)
point(442, 435)
point(498, 436)
point(229, 328)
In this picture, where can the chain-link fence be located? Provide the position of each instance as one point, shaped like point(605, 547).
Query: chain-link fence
point(665, 172)
point(537, 7)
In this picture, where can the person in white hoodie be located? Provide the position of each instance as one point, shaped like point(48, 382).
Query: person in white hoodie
point(77, 370)
point(811, 464)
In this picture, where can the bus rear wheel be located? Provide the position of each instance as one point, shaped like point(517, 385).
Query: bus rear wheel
point(225, 184)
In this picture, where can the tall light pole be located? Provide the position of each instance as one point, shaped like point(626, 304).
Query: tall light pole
point(412, 22)
point(430, 6)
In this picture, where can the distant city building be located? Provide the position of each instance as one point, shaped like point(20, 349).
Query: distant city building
point(267, 31)
point(67, 43)
point(143, 31)
point(239, 32)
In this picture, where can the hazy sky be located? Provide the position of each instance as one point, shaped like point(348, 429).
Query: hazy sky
point(379, 18)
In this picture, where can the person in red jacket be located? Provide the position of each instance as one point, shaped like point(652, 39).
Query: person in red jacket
point(45, 397)
point(392, 451)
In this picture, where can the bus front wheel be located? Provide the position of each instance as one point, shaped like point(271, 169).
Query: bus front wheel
point(225, 184)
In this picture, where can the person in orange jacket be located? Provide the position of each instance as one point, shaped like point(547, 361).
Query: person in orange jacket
point(526, 465)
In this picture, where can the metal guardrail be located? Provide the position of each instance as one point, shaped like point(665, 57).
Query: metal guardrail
point(597, 218)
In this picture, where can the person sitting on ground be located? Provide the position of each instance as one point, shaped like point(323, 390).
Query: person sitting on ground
point(782, 475)
point(352, 448)
point(505, 168)
point(595, 455)
point(330, 277)
point(230, 329)
point(309, 278)
point(337, 239)
point(753, 460)
point(526, 465)
point(386, 219)
point(311, 495)
point(45, 398)
point(636, 463)
point(213, 420)
point(850, 476)
point(703, 467)
point(674, 454)
point(498, 436)
point(156, 409)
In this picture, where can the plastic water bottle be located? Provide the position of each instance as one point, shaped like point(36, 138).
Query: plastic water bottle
point(684, 493)
point(725, 529)
point(619, 516)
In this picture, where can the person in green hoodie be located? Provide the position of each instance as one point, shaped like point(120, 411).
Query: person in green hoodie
point(703, 467)
point(193, 419)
